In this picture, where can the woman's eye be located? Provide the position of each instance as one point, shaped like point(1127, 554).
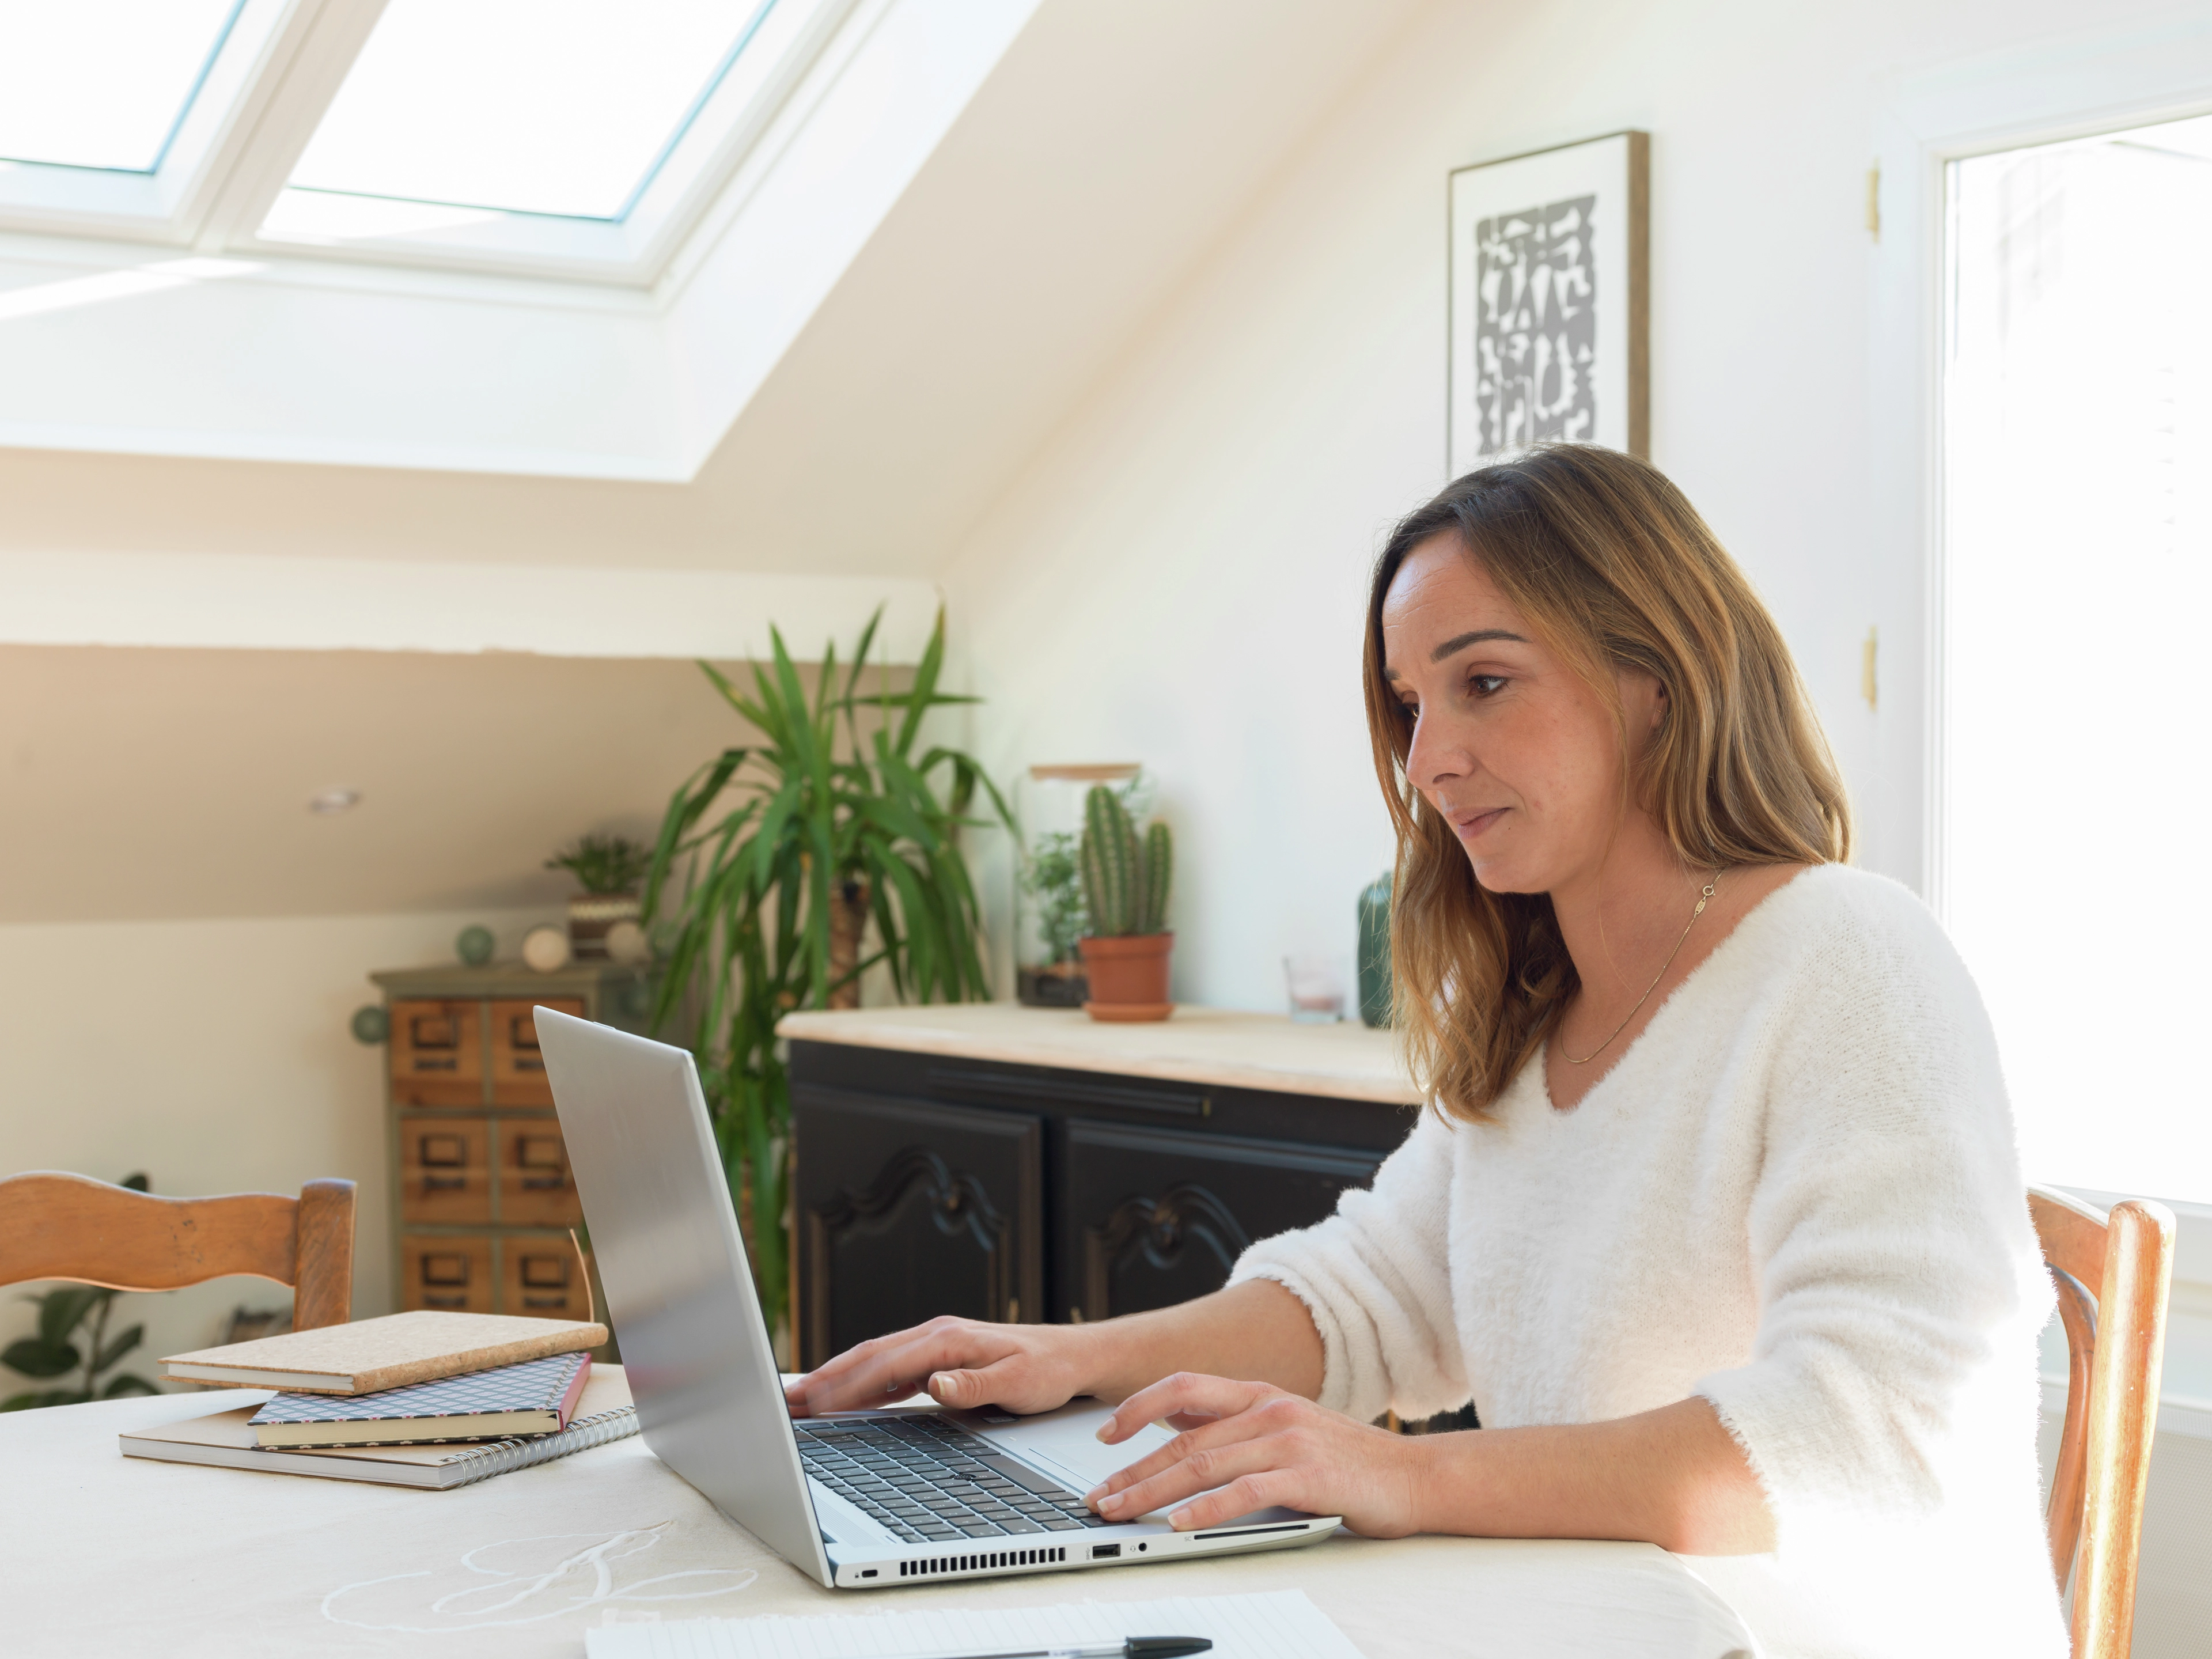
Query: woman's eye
point(1485, 685)
point(1412, 711)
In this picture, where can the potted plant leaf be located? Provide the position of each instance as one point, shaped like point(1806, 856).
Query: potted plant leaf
point(774, 861)
point(608, 868)
point(1125, 889)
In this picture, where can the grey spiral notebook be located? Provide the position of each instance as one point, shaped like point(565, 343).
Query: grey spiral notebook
point(225, 1440)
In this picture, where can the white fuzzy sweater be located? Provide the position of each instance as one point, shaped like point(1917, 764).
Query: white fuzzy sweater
point(1797, 1195)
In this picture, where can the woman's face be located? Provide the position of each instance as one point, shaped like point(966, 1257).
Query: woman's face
point(1509, 746)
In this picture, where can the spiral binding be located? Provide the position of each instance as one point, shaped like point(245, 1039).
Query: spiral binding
point(502, 1456)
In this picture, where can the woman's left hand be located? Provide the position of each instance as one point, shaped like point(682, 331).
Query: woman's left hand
point(1259, 1446)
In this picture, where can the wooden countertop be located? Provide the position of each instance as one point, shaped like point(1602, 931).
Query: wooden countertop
point(1218, 1046)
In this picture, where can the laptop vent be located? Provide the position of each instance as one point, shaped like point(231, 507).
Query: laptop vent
point(980, 1563)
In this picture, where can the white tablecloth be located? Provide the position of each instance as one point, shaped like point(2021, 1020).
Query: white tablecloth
point(110, 1555)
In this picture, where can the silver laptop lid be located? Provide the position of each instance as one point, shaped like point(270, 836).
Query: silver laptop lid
point(679, 1289)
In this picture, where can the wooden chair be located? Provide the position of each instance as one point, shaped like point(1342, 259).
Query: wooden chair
point(2114, 1340)
point(68, 1226)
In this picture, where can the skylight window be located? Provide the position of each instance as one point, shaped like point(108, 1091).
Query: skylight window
point(566, 108)
point(103, 83)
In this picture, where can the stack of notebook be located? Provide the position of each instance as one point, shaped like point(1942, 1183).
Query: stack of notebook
point(417, 1400)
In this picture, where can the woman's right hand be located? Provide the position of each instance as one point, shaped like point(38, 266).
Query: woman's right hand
point(961, 1362)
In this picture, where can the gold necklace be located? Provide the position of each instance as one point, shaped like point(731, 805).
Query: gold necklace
point(1703, 898)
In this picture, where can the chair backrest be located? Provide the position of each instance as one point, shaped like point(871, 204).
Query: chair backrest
point(2112, 1272)
point(68, 1226)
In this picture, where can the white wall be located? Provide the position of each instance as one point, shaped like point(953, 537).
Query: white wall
point(215, 1055)
point(1178, 574)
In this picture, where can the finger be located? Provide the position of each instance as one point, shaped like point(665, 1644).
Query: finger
point(832, 1375)
point(1202, 1472)
point(1011, 1381)
point(899, 1366)
point(1186, 1393)
point(1242, 1497)
point(1208, 1436)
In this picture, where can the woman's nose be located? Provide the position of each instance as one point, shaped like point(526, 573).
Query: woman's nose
point(1431, 759)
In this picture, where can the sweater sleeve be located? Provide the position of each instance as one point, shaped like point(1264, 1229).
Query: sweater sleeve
point(1900, 1288)
point(1376, 1279)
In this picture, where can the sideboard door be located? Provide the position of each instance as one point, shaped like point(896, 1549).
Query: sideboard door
point(909, 1209)
point(1155, 1217)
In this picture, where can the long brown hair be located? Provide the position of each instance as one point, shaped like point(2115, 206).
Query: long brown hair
point(1614, 569)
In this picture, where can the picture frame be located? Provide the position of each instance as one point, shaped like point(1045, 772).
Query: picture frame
point(1550, 301)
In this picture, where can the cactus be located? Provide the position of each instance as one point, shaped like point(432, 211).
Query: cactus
point(1111, 863)
point(1159, 873)
point(1125, 884)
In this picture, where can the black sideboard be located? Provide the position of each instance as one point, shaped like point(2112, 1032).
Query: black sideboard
point(934, 1183)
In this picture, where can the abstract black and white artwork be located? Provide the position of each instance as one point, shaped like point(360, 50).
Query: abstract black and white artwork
point(1548, 309)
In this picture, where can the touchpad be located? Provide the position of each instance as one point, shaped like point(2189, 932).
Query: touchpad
point(1066, 1441)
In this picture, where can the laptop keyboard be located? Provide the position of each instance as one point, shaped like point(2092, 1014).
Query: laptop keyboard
point(927, 1481)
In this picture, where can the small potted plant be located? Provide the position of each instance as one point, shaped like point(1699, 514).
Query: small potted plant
point(608, 868)
point(1125, 889)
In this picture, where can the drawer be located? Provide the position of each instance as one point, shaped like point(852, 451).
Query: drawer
point(453, 1273)
point(518, 1070)
point(437, 1052)
point(445, 1169)
point(544, 1279)
point(536, 1188)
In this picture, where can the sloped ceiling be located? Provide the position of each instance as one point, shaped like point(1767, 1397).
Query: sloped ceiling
point(144, 783)
point(1115, 145)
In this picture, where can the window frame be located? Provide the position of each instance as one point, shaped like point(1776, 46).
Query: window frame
point(225, 176)
point(167, 204)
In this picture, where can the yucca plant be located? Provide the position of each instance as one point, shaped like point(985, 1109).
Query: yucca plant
point(1124, 880)
point(771, 862)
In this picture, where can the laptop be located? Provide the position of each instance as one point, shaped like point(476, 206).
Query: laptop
point(861, 1500)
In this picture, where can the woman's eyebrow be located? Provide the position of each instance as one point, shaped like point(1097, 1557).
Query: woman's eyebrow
point(1461, 642)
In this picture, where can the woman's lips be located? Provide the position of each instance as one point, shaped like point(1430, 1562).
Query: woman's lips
point(1470, 824)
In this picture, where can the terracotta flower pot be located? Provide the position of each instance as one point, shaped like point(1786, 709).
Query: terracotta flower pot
point(1128, 976)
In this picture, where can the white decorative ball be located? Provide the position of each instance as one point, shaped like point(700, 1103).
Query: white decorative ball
point(628, 944)
point(546, 948)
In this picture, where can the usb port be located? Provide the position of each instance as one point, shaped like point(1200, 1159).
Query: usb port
point(1105, 1551)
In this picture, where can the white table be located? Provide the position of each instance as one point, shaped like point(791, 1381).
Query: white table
point(110, 1555)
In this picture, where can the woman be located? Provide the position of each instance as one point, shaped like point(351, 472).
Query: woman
point(1716, 1217)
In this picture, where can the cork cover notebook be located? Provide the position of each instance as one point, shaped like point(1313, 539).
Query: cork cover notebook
point(389, 1352)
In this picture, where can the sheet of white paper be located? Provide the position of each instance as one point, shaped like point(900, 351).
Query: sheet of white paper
point(1280, 1625)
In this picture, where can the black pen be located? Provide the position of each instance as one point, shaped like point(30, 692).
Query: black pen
point(1137, 1647)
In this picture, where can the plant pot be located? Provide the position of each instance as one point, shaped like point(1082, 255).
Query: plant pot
point(590, 916)
point(1128, 976)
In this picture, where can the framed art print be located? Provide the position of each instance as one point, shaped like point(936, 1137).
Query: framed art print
point(1550, 310)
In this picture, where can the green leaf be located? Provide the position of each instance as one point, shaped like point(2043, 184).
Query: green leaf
point(115, 1350)
point(62, 1311)
point(41, 1359)
point(126, 1384)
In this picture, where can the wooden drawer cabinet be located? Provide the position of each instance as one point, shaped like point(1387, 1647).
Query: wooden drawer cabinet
point(534, 1187)
point(518, 1070)
point(482, 1195)
point(447, 1270)
point(541, 1277)
point(437, 1052)
point(928, 1184)
point(445, 1169)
